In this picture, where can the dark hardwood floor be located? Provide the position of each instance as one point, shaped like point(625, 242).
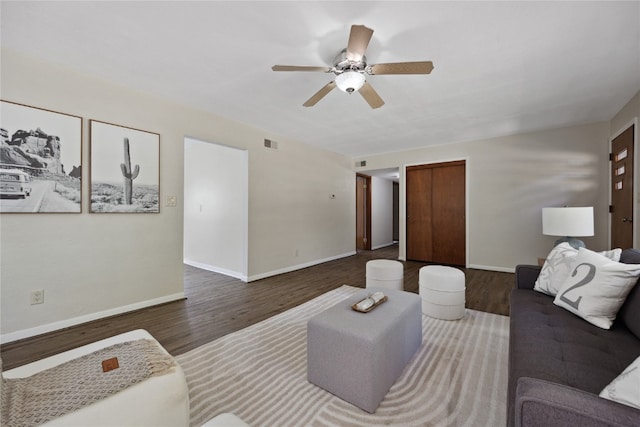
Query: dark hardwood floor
point(217, 305)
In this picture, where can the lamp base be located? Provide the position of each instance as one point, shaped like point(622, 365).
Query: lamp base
point(575, 243)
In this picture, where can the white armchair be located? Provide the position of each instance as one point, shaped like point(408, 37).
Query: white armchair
point(157, 401)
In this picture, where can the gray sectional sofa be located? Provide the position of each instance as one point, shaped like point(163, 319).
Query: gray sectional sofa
point(559, 363)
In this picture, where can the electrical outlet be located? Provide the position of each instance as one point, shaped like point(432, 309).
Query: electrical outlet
point(37, 296)
point(171, 201)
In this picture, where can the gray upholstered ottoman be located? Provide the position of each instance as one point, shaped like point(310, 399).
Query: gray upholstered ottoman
point(358, 356)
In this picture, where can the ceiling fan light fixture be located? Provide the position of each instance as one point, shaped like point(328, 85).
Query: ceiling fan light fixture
point(350, 81)
point(350, 68)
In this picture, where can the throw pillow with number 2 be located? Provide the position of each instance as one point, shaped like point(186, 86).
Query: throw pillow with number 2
point(597, 287)
point(558, 266)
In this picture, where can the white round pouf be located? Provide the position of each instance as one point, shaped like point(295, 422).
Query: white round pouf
point(385, 273)
point(442, 291)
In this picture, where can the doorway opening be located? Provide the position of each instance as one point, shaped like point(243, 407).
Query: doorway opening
point(377, 208)
point(216, 208)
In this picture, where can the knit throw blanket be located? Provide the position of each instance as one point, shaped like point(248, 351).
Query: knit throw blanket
point(65, 388)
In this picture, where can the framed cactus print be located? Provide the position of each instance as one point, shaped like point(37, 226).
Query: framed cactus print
point(124, 169)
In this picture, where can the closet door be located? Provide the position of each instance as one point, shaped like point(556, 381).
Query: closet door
point(436, 226)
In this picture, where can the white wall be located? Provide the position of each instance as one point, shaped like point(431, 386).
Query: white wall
point(510, 180)
point(293, 220)
point(628, 113)
point(92, 265)
point(215, 207)
point(381, 212)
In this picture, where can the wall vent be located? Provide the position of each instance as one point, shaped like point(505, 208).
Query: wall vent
point(361, 163)
point(271, 144)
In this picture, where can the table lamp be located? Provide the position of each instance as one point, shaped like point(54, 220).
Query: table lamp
point(568, 222)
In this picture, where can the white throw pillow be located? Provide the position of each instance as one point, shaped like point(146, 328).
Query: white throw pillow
point(597, 287)
point(625, 388)
point(559, 265)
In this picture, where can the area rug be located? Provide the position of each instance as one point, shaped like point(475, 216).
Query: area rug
point(458, 377)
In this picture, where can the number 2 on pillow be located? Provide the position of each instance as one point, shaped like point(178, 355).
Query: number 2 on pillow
point(586, 280)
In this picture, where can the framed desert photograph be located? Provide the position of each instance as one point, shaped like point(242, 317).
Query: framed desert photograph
point(40, 160)
point(124, 170)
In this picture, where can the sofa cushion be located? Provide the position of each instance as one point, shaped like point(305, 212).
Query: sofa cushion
point(597, 288)
point(565, 348)
point(549, 343)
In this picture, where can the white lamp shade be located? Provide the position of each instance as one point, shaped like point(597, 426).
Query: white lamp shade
point(574, 222)
point(350, 81)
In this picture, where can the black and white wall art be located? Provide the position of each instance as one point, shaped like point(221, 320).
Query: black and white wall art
point(40, 160)
point(124, 170)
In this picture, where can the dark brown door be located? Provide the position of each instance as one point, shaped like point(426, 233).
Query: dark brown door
point(436, 226)
point(622, 191)
point(396, 212)
point(363, 212)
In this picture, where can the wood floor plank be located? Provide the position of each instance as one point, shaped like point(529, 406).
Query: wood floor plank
point(217, 305)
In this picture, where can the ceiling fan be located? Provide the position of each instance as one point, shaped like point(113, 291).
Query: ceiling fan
point(350, 68)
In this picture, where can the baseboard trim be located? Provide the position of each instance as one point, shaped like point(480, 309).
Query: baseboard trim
point(298, 267)
point(492, 268)
point(215, 269)
point(50, 327)
point(384, 245)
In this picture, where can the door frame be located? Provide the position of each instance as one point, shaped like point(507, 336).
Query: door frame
point(402, 244)
point(636, 180)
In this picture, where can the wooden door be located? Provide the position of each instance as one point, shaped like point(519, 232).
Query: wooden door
point(363, 212)
point(396, 212)
point(436, 225)
point(419, 222)
point(622, 191)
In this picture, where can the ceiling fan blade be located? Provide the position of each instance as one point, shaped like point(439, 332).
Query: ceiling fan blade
point(421, 67)
point(320, 94)
point(371, 96)
point(299, 68)
point(358, 42)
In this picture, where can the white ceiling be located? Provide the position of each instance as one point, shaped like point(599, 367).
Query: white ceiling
point(501, 68)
